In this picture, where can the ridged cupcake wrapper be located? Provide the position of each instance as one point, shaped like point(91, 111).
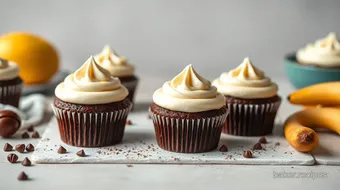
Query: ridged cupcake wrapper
point(91, 129)
point(188, 135)
point(10, 94)
point(131, 86)
point(251, 119)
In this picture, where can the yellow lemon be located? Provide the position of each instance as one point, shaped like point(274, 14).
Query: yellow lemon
point(37, 59)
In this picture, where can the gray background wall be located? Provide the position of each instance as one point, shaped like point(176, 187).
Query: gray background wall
point(161, 37)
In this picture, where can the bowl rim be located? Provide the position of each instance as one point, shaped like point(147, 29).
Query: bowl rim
point(290, 59)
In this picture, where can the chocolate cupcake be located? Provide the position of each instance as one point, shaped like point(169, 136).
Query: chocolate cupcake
point(188, 114)
point(119, 67)
point(324, 53)
point(91, 107)
point(10, 83)
point(251, 98)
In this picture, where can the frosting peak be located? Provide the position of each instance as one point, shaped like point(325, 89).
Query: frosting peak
point(246, 81)
point(118, 66)
point(8, 70)
point(188, 92)
point(324, 52)
point(92, 72)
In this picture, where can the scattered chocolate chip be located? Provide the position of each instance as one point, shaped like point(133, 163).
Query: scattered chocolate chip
point(26, 162)
point(25, 135)
point(223, 148)
point(12, 158)
point(128, 122)
point(8, 147)
point(263, 140)
point(247, 154)
point(129, 166)
point(277, 144)
point(258, 146)
point(35, 135)
point(20, 148)
point(62, 150)
point(22, 176)
point(30, 148)
point(30, 129)
point(81, 153)
point(9, 123)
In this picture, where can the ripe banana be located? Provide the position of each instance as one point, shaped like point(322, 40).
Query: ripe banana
point(297, 128)
point(325, 94)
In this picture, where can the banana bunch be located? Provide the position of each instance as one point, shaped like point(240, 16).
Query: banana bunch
point(322, 103)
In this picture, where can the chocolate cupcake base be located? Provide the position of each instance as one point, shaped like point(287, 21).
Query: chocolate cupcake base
point(91, 125)
point(187, 132)
point(130, 83)
point(251, 117)
point(10, 91)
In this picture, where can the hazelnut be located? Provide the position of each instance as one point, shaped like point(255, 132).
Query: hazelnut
point(9, 123)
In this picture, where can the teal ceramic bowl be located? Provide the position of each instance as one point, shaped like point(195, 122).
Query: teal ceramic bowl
point(303, 75)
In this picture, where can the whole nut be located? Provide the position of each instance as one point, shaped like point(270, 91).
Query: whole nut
point(9, 123)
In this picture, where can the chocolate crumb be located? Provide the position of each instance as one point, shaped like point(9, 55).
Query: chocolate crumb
point(35, 135)
point(81, 153)
point(129, 166)
point(247, 154)
point(22, 176)
point(30, 129)
point(128, 122)
point(12, 158)
point(8, 147)
point(26, 162)
point(263, 140)
point(257, 146)
point(25, 135)
point(20, 148)
point(62, 150)
point(176, 159)
point(223, 148)
point(30, 148)
point(277, 144)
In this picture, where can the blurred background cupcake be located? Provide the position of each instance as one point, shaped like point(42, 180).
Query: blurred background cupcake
point(316, 63)
point(10, 83)
point(251, 98)
point(188, 113)
point(91, 107)
point(119, 67)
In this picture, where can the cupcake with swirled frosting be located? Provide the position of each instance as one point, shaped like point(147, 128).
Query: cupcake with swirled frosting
point(118, 66)
point(251, 98)
point(188, 113)
point(10, 83)
point(91, 107)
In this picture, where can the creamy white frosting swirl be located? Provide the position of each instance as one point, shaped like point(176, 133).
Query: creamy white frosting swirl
point(115, 64)
point(91, 84)
point(8, 70)
point(189, 92)
point(246, 82)
point(324, 52)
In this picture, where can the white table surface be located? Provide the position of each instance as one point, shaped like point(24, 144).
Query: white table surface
point(145, 176)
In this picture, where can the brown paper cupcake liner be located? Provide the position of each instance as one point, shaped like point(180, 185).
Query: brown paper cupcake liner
point(91, 129)
point(188, 135)
point(10, 94)
point(251, 119)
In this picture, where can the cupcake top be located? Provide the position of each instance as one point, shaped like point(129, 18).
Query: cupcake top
point(8, 70)
point(246, 82)
point(188, 92)
point(324, 52)
point(115, 64)
point(91, 84)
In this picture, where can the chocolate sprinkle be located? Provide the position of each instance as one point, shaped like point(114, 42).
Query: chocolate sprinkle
point(247, 154)
point(263, 140)
point(26, 162)
point(129, 166)
point(81, 153)
point(20, 148)
point(128, 122)
point(30, 148)
point(61, 150)
point(8, 147)
point(12, 158)
point(223, 148)
point(30, 129)
point(22, 176)
point(25, 135)
point(258, 146)
point(277, 144)
point(35, 135)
